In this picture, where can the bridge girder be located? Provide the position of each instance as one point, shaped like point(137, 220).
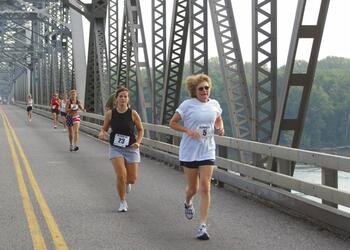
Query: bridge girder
point(34, 29)
point(299, 81)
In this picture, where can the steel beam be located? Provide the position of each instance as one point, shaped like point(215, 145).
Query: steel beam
point(78, 57)
point(176, 58)
point(124, 59)
point(158, 54)
point(264, 68)
point(138, 40)
point(300, 81)
point(97, 84)
point(199, 36)
point(232, 69)
point(113, 46)
point(79, 7)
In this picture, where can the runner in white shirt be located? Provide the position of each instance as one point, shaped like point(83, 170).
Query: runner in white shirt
point(201, 116)
point(63, 104)
point(30, 103)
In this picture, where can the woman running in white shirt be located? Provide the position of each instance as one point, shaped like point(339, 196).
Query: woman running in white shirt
point(30, 103)
point(201, 116)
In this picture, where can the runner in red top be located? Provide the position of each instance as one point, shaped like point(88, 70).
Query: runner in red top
point(55, 109)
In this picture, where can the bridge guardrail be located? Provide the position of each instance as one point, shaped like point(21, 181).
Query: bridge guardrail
point(302, 156)
point(233, 170)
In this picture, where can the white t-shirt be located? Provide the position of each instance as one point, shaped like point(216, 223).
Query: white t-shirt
point(63, 106)
point(30, 103)
point(200, 116)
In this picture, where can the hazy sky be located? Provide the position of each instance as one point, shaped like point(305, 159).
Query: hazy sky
point(336, 38)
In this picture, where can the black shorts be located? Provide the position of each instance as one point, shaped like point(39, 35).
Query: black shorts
point(196, 164)
point(29, 108)
point(63, 114)
point(56, 111)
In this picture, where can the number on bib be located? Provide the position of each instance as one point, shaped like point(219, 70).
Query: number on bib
point(75, 107)
point(121, 140)
point(205, 131)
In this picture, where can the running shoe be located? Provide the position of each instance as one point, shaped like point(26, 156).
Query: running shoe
point(189, 210)
point(76, 148)
point(202, 233)
point(123, 207)
point(71, 148)
point(128, 188)
point(54, 127)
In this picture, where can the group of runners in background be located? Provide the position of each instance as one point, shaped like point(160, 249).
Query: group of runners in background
point(68, 110)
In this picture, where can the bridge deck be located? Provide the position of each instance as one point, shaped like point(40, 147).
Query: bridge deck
point(79, 190)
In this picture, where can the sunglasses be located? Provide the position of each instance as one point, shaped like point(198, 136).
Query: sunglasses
point(203, 88)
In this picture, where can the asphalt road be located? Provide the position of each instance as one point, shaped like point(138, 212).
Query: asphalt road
point(79, 190)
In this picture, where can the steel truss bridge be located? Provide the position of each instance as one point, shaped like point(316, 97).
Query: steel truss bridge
point(42, 51)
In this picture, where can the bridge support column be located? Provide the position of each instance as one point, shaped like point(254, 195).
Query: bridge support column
point(284, 167)
point(222, 152)
point(330, 178)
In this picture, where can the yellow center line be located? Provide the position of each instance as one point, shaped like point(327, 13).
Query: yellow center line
point(34, 228)
point(56, 235)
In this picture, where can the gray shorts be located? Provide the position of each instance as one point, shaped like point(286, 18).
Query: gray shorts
point(131, 155)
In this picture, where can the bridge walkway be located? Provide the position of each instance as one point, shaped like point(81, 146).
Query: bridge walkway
point(78, 188)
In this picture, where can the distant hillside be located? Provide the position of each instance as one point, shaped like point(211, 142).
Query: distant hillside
point(328, 118)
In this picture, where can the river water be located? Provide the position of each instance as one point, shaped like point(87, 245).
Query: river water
point(313, 174)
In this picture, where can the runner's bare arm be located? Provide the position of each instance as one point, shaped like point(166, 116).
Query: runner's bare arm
point(103, 135)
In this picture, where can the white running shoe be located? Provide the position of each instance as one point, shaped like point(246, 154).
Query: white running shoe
point(54, 127)
point(189, 210)
point(202, 233)
point(128, 188)
point(123, 207)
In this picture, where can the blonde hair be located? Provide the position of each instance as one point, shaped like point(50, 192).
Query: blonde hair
point(194, 80)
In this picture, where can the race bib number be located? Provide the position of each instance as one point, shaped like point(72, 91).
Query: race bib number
point(205, 131)
point(121, 140)
point(53, 106)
